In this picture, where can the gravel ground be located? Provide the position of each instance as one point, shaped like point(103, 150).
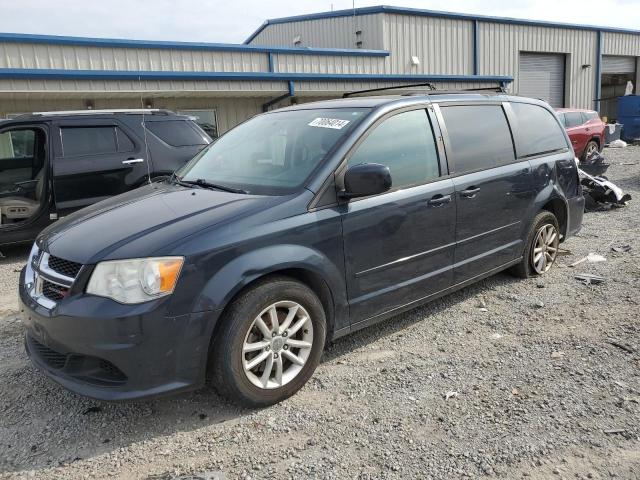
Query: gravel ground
point(507, 378)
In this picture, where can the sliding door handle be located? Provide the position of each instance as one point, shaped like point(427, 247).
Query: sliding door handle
point(470, 192)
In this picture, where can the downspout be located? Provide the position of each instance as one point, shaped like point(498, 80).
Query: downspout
point(289, 94)
point(476, 47)
point(598, 70)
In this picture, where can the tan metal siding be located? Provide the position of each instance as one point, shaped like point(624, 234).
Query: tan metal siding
point(327, 64)
point(338, 32)
point(500, 45)
point(443, 46)
point(621, 44)
point(26, 55)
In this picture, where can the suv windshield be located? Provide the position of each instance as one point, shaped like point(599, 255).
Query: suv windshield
point(272, 154)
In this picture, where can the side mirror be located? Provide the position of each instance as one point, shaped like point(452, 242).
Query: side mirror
point(366, 179)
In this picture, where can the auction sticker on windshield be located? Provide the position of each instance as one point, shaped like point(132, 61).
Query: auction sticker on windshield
point(334, 123)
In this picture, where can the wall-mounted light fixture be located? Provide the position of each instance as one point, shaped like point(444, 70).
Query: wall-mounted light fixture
point(415, 61)
point(89, 105)
point(297, 40)
point(585, 66)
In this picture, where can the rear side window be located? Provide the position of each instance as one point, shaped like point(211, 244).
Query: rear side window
point(406, 145)
point(539, 130)
point(177, 133)
point(573, 119)
point(480, 137)
point(88, 140)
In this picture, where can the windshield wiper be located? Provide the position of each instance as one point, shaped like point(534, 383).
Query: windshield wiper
point(201, 182)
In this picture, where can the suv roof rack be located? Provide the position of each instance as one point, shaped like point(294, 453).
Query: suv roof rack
point(431, 90)
point(133, 111)
point(429, 86)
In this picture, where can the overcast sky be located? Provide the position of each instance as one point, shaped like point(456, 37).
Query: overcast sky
point(231, 21)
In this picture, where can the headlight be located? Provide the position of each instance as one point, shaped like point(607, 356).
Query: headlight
point(137, 280)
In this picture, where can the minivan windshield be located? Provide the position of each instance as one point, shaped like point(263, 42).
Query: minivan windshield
point(272, 154)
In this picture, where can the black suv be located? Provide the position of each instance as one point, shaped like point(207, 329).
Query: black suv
point(53, 163)
point(294, 228)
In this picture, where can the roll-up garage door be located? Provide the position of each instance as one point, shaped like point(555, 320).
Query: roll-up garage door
point(613, 64)
point(542, 76)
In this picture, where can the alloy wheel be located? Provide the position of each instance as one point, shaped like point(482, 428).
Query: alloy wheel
point(277, 345)
point(545, 248)
point(591, 148)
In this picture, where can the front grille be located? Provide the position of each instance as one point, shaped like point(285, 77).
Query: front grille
point(64, 267)
point(52, 358)
point(54, 291)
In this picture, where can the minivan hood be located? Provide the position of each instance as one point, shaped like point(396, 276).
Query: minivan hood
point(140, 222)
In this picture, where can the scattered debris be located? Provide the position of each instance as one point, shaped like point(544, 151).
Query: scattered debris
point(600, 194)
point(538, 304)
point(515, 391)
point(615, 430)
point(618, 144)
point(563, 252)
point(589, 279)
point(622, 346)
point(496, 336)
point(450, 394)
point(594, 164)
point(591, 258)
point(557, 354)
point(94, 409)
point(622, 248)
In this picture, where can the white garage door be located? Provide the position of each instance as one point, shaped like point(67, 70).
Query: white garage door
point(542, 76)
point(613, 64)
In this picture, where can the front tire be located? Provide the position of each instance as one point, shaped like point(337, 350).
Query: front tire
point(541, 247)
point(269, 344)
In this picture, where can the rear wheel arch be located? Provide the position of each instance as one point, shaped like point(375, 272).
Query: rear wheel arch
point(560, 210)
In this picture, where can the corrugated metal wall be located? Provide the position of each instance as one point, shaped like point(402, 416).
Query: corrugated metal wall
point(443, 46)
point(327, 64)
point(500, 45)
point(337, 32)
point(620, 44)
point(78, 57)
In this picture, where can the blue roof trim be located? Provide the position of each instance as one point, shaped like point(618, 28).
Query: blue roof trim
point(228, 47)
point(434, 13)
point(61, 74)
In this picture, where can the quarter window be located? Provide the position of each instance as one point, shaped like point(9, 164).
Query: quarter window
point(480, 137)
point(539, 131)
point(177, 133)
point(404, 143)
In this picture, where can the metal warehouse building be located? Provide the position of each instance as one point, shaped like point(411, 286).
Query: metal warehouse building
point(303, 58)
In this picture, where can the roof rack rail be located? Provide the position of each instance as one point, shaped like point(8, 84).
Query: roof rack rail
point(430, 87)
point(431, 90)
point(132, 111)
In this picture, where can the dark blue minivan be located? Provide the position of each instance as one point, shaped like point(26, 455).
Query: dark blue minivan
point(295, 228)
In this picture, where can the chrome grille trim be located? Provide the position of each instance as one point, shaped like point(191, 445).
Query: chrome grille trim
point(38, 272)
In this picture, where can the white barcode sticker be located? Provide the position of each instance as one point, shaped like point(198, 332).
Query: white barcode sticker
point(334, 123)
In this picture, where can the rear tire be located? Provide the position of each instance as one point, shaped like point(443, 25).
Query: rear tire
point(592, 146)
point(540, 241)
point(265, 350)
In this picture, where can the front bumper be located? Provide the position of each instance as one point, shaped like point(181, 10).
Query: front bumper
point(101, 349)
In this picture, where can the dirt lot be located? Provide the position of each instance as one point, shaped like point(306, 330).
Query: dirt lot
point(507, 378)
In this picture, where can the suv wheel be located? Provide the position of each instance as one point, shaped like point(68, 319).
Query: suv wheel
point(269, 344)
point(591, 147)
point(541, 248)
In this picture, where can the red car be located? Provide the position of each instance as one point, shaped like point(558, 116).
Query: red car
point(585, 129)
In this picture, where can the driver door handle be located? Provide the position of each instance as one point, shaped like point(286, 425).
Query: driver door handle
point(470, 192)
point(131, 161)
point(439, 200)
